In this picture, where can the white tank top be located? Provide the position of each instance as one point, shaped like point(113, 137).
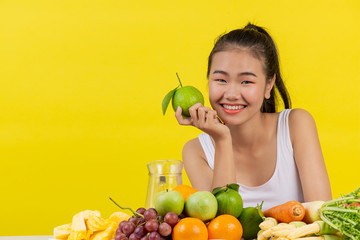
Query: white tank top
point(285, 183)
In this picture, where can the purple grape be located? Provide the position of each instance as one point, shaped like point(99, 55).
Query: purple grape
point(152, 225)
point(141, 210)
point(118, 231)
point(146, 237)
point(164, 229)
point(120, 236)
point(171, 218)
point(133, 237)
point(150, 214)
point(140, 231)
point(128, 228)
point(154, 236)
point(121, 224)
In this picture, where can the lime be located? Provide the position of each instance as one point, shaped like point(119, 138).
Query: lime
point(185, 97)
point(250, 220)
point(229, 200)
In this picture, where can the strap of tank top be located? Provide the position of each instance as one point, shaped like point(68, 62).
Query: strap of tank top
point(284, 132)
point(208, 148)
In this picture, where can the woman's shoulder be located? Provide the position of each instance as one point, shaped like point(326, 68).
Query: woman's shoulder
point(192, 143)
point(193, 148)
point(300, 116)
point(301, 122)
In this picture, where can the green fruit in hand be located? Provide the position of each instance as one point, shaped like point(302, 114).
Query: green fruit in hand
point(229, 200)
point(250, 220)
point(169, 201)
point(202, 205)
point(185, 97)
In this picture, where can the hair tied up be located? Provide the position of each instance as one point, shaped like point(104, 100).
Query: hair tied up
point(250, 26)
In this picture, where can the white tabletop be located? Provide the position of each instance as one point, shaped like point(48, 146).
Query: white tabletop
point(26, 237)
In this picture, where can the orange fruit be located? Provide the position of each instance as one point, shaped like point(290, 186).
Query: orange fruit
point(225, 227)
point(185, 190)
point(190, 228)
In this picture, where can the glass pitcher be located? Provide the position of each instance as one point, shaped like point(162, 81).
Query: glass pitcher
point(163, 175)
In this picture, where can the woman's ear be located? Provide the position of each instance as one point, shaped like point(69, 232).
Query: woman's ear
point(269, 85)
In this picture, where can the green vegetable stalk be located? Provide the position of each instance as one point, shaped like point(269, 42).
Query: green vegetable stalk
point(343, 214)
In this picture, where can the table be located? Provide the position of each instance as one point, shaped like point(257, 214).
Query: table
point(42, 237)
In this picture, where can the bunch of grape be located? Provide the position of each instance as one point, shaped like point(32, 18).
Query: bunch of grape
point(147, 225)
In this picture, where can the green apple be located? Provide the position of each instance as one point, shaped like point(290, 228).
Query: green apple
point(202, 205)
point(169, 201)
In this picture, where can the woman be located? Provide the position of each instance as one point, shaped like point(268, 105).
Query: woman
point(274, 156)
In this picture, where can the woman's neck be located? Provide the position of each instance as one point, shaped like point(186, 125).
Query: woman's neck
point(251, 133)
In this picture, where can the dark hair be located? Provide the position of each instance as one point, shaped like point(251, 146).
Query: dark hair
point(261, 45)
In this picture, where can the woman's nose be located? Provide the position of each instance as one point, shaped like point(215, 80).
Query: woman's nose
point(232, 92)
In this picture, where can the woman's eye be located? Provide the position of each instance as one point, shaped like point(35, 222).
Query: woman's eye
point(220, 80)
point(246, 82)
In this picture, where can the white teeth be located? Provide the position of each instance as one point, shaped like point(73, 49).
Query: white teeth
point(231, 107)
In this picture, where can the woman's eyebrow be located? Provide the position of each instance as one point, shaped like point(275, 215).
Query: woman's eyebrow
point(240, 74)
point(247, 73)
point(221, 72)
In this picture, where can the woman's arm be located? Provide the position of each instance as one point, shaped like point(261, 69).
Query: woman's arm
point(196, 166)
point(224, 165)
point(308, 156)
point(201, 176)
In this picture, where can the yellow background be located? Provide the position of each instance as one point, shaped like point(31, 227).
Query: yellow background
point(81, 85)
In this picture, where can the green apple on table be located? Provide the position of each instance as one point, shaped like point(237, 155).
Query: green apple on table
point(169, 201)
point(202, 205)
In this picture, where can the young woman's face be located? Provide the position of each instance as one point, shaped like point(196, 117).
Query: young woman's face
point(237, 85)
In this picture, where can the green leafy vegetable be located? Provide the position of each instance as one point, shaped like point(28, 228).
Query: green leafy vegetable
point(343, 214)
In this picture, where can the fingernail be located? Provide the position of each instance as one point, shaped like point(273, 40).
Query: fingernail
point(178, 108)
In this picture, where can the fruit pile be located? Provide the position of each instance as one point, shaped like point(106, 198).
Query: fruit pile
point(179, 214)
point(185, 213)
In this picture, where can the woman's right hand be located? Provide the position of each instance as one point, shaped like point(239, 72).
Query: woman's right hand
point(205, 119)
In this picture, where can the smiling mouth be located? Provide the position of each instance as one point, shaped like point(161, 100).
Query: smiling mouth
point(233, 107)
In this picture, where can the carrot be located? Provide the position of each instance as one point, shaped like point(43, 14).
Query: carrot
point(287, 212)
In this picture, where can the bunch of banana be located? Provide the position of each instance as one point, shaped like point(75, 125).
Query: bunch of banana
point(89, 225)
